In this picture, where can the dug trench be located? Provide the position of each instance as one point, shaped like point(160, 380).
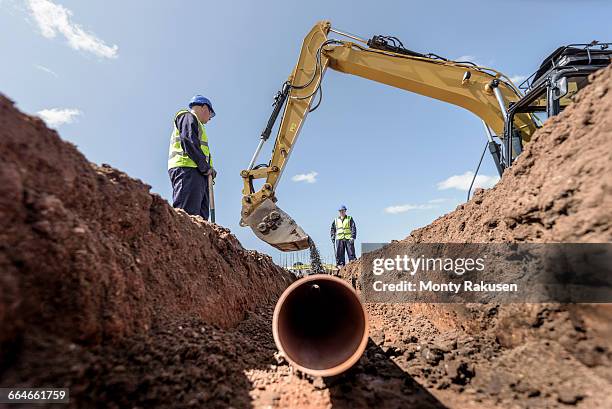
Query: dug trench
point(107, 290)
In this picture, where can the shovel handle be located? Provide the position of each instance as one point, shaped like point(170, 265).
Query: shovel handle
point(211, 198)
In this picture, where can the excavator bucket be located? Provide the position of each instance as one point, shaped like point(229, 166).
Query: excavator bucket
point(276, 227)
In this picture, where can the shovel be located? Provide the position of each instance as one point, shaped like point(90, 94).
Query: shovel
point(211, 198)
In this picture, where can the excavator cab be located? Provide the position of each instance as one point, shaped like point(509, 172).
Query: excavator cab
point(551, 88)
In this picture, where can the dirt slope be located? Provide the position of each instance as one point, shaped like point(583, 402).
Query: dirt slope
point(89, 255)
point(559, 190)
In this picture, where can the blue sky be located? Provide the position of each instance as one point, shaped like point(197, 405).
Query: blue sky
point(115, 72)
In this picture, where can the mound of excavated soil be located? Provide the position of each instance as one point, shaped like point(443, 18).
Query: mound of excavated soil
point(520, 355)
point(559, 189)
point(88, 256)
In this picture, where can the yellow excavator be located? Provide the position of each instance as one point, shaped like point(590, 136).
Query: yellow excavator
point(507, 114)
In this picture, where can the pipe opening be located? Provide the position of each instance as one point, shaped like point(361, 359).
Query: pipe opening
point(320, 325)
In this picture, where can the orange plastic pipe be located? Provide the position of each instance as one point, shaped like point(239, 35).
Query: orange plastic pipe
point(320, 325)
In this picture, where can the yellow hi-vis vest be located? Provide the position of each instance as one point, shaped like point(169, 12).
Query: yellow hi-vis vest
point(179, 159)
point(343, 228)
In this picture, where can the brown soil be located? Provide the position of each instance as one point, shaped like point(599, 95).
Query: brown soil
point(107, 290)
point(517, 355)
point(89, 258)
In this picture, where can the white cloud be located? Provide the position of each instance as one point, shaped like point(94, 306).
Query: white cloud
point(436, 201)
point(468, 58)
point(310, 177)
point(55, 117)
point(407, 207)
point(517, 79)
point(465, 58)
point(462, 182)
point(46, 69)
point(54, 18)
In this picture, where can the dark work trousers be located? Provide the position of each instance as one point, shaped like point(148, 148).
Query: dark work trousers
point(190, 191)
point(344, 245)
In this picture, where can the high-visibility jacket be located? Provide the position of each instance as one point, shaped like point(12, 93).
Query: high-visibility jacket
point(177, 158)
point(343, 228)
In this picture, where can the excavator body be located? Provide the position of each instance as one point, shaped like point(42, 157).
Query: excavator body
point(510, 118)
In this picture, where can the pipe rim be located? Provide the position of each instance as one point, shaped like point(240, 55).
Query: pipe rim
point(338, 369)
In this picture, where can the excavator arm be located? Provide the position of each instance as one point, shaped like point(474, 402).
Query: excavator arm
point(480, 90)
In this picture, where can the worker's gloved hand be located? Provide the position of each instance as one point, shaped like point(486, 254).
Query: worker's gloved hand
point(211, 171)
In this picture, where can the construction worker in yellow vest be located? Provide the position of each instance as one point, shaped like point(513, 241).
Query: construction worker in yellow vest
point(343, 235)
point(189, 159)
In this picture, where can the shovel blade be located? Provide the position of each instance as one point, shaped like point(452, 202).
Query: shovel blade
point(272, 225)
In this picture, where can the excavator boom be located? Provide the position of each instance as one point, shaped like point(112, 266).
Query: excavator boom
point(482, 91)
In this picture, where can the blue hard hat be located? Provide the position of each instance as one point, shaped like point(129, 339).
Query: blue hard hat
point(202, 100)
point(342, 207)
